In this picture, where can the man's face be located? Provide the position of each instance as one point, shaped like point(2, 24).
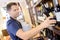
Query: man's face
point(14, 11)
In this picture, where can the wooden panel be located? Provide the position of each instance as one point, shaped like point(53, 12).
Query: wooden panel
point(25, 11)
point(5, 33)
point(59, 2)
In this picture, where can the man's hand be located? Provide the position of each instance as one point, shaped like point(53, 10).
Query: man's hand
point(47, 22)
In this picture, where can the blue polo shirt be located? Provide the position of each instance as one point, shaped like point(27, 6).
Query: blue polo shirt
point(12, 27)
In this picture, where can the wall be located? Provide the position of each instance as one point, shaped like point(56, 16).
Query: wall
point(4, 2)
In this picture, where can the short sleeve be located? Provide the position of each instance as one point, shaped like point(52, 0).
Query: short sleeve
point(13, 27)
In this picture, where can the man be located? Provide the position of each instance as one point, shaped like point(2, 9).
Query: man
point(14, 27)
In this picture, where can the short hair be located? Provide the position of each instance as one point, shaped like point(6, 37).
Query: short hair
point(8, 7)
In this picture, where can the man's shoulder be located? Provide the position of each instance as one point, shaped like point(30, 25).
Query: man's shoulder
point(10, 21)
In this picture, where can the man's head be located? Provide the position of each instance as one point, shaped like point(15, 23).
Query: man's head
point(13, 9)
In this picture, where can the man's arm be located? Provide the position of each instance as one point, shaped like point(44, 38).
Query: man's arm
point(28, 34)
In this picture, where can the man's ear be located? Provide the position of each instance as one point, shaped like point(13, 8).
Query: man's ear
point(8, 11)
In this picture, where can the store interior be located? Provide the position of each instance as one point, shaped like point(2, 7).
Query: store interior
point(32, 14)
